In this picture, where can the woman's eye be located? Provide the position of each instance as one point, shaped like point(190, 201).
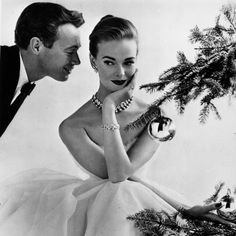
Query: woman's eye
point(109, 63)
point(129, 63)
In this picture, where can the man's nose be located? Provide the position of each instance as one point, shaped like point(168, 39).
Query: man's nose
point(76, 60)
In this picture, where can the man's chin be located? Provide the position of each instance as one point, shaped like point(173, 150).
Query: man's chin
point(62, 78)
point(65, 78)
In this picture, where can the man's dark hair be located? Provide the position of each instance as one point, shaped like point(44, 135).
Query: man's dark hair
point(42, 19)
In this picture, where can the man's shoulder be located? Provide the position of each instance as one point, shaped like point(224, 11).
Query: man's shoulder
point(9, 71)
point(10, 54)
point(9, 49)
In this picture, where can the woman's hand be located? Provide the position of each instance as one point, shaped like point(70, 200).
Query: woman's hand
point(114, 99)
point(198, 211)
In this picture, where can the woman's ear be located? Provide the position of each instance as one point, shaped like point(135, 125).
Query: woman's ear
point(93, 62)
point(35, 45)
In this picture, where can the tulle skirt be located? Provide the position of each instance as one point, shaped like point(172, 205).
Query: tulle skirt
point(42, 202)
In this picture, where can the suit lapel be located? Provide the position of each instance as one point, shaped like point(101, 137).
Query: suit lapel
point(11, 70)
point(9, 76)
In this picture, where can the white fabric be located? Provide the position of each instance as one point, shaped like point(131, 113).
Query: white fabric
point(45, 202)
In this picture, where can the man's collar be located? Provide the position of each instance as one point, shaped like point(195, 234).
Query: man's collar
point(23, 78)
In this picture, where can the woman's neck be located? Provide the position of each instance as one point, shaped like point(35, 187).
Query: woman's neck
point(102, 93)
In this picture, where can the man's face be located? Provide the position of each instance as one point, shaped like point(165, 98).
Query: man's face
point(59, 60)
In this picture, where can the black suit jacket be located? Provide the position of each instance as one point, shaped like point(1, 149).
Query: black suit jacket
point(9, 76)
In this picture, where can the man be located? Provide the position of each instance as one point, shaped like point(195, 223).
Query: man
point(47, 39)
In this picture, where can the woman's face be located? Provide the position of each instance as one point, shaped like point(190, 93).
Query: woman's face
point(116, 62)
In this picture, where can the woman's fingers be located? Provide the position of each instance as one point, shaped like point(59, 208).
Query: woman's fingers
point(212, 207)
point(125, 93)
point(201, 210)
point(130, 87)
point(216, 218)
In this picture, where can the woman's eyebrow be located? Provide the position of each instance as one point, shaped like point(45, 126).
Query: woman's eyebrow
point(107, 57)
point(111, 58)
point(129, 58)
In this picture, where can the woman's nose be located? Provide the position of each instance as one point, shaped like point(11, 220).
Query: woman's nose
point(120, 71)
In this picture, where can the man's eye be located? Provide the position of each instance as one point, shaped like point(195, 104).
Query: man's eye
point(70, 53)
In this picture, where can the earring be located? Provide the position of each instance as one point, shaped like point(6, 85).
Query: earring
point(94, 67)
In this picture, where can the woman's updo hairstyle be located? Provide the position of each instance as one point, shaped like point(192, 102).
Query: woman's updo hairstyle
point(111, 28)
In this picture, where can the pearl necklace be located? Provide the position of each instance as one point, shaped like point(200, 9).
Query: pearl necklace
point(124, 105)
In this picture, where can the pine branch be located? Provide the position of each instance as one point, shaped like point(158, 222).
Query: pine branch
point(214, 85)
point(213, 71)
point(151, 222)
point(214, 109)
point(154, 87)
point(181, 58)
point(197, 91)
point(204, 113)
point(230, 14)
point(153, 111)
point(215, 195)
point(211, 48)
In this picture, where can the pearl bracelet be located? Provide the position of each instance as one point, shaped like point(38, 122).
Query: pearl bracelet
point(110, 127)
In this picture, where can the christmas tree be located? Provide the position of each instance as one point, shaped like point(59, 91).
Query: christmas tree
point(211, 76)
point(151, 222)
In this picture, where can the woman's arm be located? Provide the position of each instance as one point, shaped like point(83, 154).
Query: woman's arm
point(87, 153)
point(113, 162)
point(93, 158)
point(122, 164)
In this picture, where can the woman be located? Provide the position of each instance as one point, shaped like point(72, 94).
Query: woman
point(95, 133)
point(44, 202)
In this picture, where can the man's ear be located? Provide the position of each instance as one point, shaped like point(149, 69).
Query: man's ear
point(93, 62)
point(35, 45)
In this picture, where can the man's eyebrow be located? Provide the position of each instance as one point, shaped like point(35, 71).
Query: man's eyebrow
point(72, 47)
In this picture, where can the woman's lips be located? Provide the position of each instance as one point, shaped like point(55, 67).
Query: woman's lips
point(119, 82)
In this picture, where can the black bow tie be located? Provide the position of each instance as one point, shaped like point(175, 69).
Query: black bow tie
point(27, 88)
point(24, 92)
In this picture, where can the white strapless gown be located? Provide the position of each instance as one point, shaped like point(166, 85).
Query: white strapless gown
point(43, 202)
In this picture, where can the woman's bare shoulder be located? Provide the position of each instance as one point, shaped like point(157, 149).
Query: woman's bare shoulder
point(80, 119)
point(141, 105)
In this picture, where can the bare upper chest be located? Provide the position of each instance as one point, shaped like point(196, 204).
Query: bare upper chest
point(95, 131)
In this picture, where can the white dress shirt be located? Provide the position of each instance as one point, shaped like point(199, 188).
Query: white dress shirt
point(23, 79)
